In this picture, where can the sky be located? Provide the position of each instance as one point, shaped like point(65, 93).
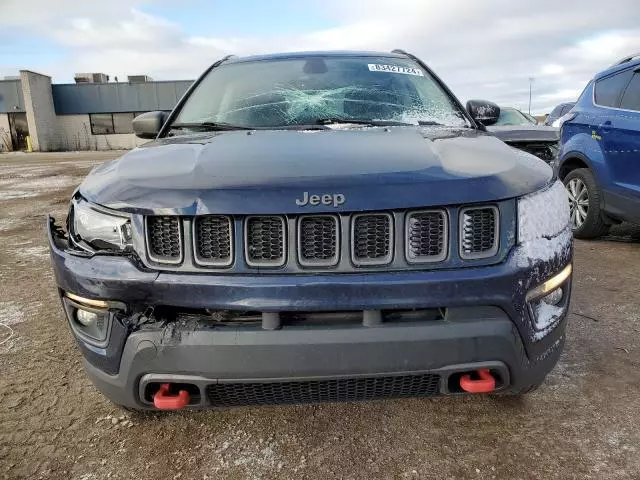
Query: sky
point(487, 49)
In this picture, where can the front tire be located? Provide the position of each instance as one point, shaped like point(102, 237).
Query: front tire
point(585, 199)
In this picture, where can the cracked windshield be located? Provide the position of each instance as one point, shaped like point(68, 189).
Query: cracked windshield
point(317, 91)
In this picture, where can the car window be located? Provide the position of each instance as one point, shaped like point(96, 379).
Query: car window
point(555, 113)
point(565, 109)
point(631, 97)
point(299, 91)
point(609, 89)
point(509, 116)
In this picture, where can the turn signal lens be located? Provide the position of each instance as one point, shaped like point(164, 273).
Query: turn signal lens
point(550, 285)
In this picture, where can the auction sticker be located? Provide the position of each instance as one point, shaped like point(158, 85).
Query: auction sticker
point(376, 67)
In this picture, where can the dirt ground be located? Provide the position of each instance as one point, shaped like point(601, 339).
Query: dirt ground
point(584, 422)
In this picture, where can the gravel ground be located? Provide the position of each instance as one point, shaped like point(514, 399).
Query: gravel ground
point(582, 423)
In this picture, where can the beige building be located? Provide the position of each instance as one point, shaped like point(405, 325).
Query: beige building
point(92, 114)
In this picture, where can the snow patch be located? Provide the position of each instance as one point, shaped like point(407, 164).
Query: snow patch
point(11, 194)
point(33, 252)
point(546, 317)
point(9, 223)
point(50, 183)
point(264, 457)
point(544, 230)
point(32, 187)
point(11, 313)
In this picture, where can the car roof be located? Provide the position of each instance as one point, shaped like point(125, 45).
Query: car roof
point(628, 62)
point(321, 53)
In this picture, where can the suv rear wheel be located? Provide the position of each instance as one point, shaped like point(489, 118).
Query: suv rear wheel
point(584, 200)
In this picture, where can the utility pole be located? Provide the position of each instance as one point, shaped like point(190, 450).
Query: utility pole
point(530, 85)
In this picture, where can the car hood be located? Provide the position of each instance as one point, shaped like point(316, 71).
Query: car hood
point(525, 133)
point(265, 171)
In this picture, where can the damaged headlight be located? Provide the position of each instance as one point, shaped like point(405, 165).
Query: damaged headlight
point(544, 235)
point(543, 224)
point(93, 226)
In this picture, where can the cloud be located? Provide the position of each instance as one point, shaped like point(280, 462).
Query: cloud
point(552, 69)
point(44, 14)
point(137, 31)
point(486, 49)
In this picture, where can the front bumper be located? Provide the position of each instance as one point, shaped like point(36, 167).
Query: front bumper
point(486, 325)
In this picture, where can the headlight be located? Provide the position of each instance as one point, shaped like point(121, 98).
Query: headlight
point(543, 224)
point(101, 230)
point(544, 234)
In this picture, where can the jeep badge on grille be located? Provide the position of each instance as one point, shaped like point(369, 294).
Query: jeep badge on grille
point(335, 199)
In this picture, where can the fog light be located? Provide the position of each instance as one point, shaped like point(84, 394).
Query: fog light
point(86, 318)
point(554, 298)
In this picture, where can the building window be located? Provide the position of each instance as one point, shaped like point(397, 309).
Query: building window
point(122, 122)
point(111, 123)
point(101, 123)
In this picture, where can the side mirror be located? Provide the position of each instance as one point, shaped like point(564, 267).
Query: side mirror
point(148, 124)
point(487, 113)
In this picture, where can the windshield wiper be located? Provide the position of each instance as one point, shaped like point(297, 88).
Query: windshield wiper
point(355, 121)
point(213, 126)
point(208, 126)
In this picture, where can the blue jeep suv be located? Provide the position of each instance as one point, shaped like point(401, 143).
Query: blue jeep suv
point(311, 227)
point(599, 160)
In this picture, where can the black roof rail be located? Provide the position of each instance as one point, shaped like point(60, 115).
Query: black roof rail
point(400, 51)
point(627, 59)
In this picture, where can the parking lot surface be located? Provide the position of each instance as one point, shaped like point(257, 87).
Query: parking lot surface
point(582, 423)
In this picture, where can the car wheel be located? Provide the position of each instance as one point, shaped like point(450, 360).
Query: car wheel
point(584, 201)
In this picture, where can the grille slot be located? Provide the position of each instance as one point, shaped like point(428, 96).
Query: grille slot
point(213, 240)
point(372, 239)
point(426, 236)
point(265, 241)
point(318, 391)
point(478, 232)
point(318, 238)
point(164, 239)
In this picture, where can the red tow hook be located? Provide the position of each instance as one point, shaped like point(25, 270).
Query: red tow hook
point(486, 383)
point(163, 401)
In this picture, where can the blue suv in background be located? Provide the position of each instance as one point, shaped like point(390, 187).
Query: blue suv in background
point(600, 154)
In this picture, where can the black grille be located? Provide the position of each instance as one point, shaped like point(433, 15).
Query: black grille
point(265, 241)
point(318, 391)
point(213, 240)
point(426, 236)
point(318, 240)
point(321, 241)
point(479, 232)
point(372, 238)
point(164, 238)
